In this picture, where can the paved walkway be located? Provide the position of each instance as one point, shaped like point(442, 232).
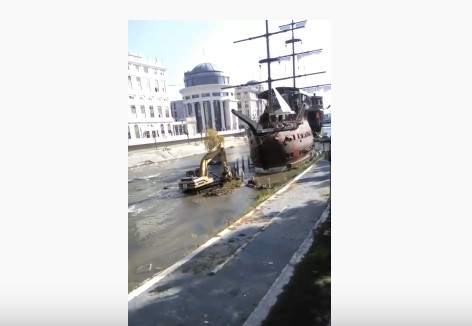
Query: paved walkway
point(223, 281)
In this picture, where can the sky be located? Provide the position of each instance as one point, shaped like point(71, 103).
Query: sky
point(180, 45)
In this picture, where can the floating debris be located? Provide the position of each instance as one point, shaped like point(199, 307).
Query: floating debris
point(144, 269)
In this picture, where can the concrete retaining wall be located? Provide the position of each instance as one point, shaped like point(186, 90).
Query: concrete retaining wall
point(148, 156)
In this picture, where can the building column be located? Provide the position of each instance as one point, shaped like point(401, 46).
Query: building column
point(212, 110)
point(229, 114)
point(202, 110)
point(223, 122)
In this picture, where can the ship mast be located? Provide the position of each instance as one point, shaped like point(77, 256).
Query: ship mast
point(268, 65)
point(293, 40)
point(268, 60)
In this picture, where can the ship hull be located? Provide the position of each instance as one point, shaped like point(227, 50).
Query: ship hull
point(281, 151)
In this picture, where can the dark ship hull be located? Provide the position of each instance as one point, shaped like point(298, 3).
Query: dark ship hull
point(283, 151)
point(281, 140)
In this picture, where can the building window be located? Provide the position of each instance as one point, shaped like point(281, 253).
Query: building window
point(162, 129)
point(148, 135)
point(155, 71)
point(196, 96)
point(169, 129)
point(189, 109)
point(139, 83)
point(239, 105)
point(129, 133)
point(156, 86)
point(143, 110)
point(148, 83)
point(167, 112)
point(153, 134)
point(231, 94)
point(216, 94)
point(130, 84)
point(206, 95)
point(136, 131)
point(151, 111)
point(246, 105)
point(145, 69)
point(164, 88)
point(187, 97)
point(159, 111)
point(133, 110)
point(225, 94)
point(136, 67)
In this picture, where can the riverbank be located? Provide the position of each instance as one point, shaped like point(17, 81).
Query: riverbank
point(228, 276)
point(150, 156)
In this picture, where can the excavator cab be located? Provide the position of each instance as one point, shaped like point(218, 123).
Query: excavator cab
point(193, 173)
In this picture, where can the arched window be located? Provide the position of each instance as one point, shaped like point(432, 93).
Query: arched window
point(153, 134)
point(136, 131)
point(162, 129)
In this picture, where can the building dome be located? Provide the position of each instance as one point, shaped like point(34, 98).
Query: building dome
point(205, 67)
point(205, 74)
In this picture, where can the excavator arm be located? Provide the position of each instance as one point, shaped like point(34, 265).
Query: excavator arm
point(209, 156)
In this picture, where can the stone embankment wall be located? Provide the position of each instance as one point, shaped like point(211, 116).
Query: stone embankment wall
point(149, 156)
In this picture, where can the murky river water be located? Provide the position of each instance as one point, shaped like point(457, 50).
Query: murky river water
point(165, 225)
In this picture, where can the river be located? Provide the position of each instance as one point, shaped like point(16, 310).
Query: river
point(165, 225)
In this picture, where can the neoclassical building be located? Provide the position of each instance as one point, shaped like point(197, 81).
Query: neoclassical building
point(248, 103)
point(204, 99)
point(149, 114)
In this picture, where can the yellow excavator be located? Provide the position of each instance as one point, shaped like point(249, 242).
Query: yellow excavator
point(198, 179)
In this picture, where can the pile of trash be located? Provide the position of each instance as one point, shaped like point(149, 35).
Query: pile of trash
point(253, 183)
point(218, 192)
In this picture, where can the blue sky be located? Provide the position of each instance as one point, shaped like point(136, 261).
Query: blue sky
point(182, 44)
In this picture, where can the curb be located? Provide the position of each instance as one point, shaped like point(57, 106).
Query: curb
point(265, 305)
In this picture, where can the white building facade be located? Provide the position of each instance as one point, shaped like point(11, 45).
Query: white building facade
point(248, 103)
point(204, 99)
point(149, 114)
